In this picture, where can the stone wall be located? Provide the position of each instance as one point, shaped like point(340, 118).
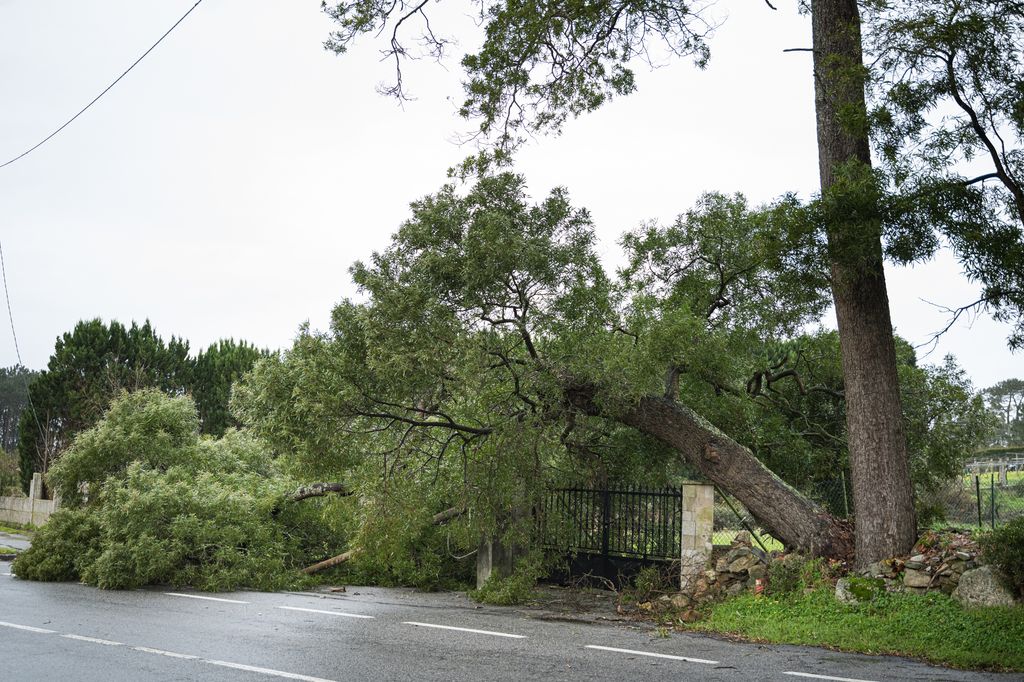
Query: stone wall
point(28, 511)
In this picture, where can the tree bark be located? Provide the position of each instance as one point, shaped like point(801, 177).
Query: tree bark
point(320, 490)
point(788, 515)
point(880, 472)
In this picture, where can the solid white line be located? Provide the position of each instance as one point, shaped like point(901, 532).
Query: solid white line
point(28, 627)
point(650, 653)
point(452, 627)
point(94, 640)
point(331, 613)
point(826, 677)
point(161, 652)
point(199, 596)
point(266, 671)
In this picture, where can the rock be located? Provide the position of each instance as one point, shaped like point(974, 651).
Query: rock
point(722, 565)
point(918, 559)
point(843, 594)
point(982, 587)
point(742, 538)
point(758, 571)
point(743, 564)
point(736, 553)
point(915, 578)
point(690, 616)
point(645, 606)
point(915, 565)
point(680, 601)
point(963, 556)
point(710, 576)
point(735, 589)
point(880, 569)
point(856, 589)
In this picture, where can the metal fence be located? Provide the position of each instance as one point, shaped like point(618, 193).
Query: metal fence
point(626, 521)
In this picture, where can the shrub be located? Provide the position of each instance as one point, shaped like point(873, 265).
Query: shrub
point(1004, 549)
point(61, 548)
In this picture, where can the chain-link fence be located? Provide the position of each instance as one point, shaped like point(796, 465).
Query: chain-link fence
point(972, 501)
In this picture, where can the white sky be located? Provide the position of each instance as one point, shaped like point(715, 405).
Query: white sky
point(224, 187)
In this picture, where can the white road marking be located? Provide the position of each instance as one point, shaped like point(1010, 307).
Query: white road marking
point(826, 677)
point(452, 627)
point(28, 627)
point(331, 613)
point(94, 640)
point(199, 596)
point(161, 652)
point(266, 671)
point(651, 653)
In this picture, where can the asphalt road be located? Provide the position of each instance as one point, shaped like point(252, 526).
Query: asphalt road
point(67, 631)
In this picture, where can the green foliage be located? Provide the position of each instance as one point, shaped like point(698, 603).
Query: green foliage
point(1005, 401)
point(1004, 548)
point(14, 383)
point(930, 626)
point(216, 369)
point(62, 548)
point(539, 62)
point(163, 505)
point(96, 361)
point(513, 589)
point(10, 477)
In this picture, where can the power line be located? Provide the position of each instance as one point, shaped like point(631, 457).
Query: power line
point(105, 90)
point(17, 351)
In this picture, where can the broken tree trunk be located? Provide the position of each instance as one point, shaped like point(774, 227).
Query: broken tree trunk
point(789, 516)
point(437, 519)
point(320, 490)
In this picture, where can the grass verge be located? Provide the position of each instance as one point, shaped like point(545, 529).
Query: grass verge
point(932, 626)
point(8, 550)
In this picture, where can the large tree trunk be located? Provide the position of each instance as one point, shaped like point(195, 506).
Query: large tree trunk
point(794, 519)
point(880, 473)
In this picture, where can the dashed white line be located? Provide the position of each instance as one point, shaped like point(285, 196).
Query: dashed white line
point(266, 671)
point(161, 652)
point(452, 627)
point(652, 654)
point(28, 627)
point(94, 640)
point(826, 677)
point(199, 596)
point(331, 613)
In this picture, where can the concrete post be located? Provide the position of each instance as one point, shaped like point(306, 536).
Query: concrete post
point(698, 516)
point(35, 489)
point(493, 557)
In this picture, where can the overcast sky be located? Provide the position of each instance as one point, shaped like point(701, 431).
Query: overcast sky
point(225, 186)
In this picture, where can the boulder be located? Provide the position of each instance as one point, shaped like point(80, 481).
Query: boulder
point(982, 587)
point(744, 563)
point(680, 601)
point(843, 594)
point(915, 578)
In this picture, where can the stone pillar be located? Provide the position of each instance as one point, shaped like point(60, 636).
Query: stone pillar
point(35, 489)
point(698, 525)
point(493, 557)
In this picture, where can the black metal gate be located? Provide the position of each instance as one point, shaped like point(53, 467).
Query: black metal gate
point(621, 522)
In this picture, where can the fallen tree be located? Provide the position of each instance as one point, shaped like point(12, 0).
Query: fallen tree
point(438, 519)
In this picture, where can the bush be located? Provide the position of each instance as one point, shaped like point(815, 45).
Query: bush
point(61, 548)
point(1004, 549)
point(794, 572)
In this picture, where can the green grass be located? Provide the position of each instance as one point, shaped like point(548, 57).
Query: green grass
point(7, 550)
point(932, 626)
point(16, 530)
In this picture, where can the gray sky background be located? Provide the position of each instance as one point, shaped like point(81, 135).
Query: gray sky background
point(224, 187)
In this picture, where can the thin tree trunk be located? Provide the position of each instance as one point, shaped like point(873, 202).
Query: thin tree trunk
point(789, 516)
point(880, 472)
